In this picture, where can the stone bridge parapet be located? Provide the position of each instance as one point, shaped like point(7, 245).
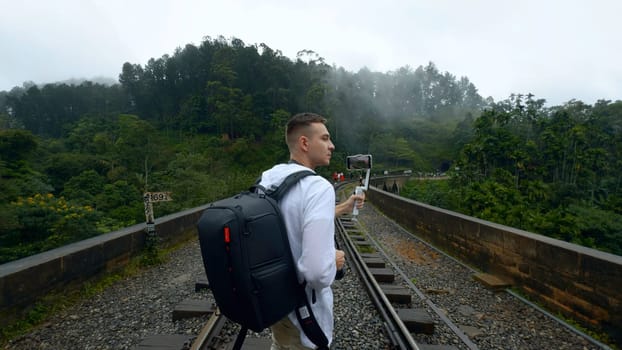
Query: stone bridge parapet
point(581, 283)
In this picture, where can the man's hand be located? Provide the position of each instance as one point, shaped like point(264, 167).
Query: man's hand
point(347, 206)
point(340, 259)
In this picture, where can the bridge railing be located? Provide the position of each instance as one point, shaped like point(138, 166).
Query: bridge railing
point(24, 281)
point(581, 283)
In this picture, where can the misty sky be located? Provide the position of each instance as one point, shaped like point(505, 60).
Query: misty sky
point(557, 50)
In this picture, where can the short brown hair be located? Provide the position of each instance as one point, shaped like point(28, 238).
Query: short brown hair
point(299, 122)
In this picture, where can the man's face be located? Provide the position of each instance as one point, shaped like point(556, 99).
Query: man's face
point(320, 145)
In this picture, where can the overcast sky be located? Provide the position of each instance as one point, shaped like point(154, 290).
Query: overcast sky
point(557, 50)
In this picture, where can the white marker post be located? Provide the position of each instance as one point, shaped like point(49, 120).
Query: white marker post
point(149, 198)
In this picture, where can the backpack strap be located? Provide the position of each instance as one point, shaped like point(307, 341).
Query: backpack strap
point(256, 186)
point(283, 188)
point(308, 322)
point(239, 340)
point(291, 179)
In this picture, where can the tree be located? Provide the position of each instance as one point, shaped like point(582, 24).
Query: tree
point(131, 80)
point(122, 202)
point(231, 110)
point(84, 187)
point(45, 222)
point(16, 145)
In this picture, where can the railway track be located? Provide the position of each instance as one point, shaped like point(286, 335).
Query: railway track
point(392, 299)
point(209, 337)
point(396, 329)
point(411, 317)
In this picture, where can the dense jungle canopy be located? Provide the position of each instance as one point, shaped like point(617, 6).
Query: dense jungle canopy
point(204, 122)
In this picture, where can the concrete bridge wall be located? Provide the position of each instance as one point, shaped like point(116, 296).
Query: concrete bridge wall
point(391, 184)
point(24, 281)
point(581, 283)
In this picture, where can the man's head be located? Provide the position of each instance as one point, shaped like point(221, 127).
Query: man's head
point(308, 140)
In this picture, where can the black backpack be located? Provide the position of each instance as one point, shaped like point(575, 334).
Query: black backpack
point(249, 264)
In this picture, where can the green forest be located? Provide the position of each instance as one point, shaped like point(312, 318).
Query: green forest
point(553, 171)
point(202, 123)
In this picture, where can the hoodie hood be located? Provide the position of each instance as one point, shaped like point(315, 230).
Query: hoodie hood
point(274, 176)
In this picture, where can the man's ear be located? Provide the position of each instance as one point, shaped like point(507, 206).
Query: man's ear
point(304, 143)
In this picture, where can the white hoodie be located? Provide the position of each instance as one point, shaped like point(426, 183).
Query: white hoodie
point(309, 213)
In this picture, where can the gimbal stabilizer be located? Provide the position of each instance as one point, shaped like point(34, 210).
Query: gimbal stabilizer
point(359, 162)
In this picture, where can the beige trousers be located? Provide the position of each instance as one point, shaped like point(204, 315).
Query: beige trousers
point(285, 336)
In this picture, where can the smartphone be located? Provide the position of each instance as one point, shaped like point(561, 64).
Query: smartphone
point(358, 161)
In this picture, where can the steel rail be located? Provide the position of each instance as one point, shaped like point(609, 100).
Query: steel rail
point(209, 332)
point(397, 331)
point(440, 313)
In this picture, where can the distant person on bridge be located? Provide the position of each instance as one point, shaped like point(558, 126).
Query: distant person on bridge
point(309, 212)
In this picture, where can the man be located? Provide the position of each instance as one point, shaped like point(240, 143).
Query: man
point(309, 211)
